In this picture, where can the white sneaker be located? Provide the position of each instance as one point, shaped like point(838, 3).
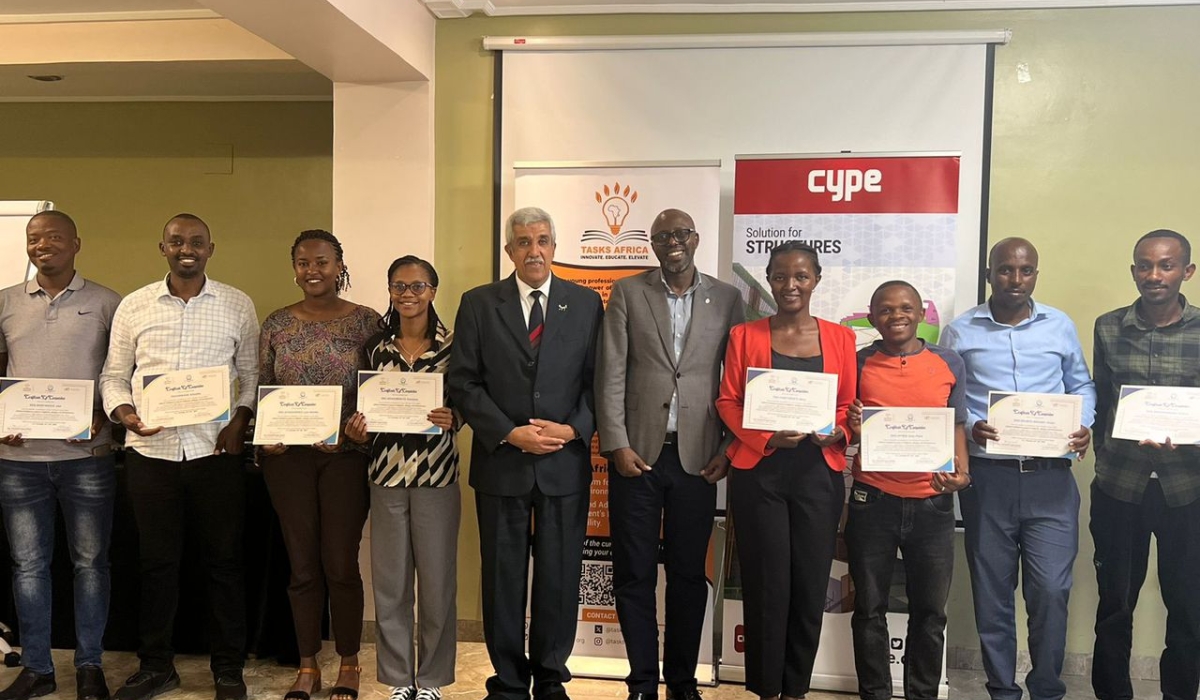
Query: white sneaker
point(429, 694)
point(405, 693)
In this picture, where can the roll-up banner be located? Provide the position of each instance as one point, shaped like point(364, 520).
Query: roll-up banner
point(871, 218)
point(602, 217)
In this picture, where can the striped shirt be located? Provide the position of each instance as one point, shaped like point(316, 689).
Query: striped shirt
point(1128, 350)
point(413, 459)
point(154, 332)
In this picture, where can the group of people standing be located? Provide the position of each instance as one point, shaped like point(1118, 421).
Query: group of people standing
point(190, 481)
point(536, 366)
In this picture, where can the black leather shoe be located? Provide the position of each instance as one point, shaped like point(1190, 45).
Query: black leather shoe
point(229, 685)
point(144, 685)
point(683, 694)
point(90, 684)
point(29, 684)
point(643, 696)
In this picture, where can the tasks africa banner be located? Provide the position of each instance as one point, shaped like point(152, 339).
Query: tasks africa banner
point(602, 218)
point(871, 219)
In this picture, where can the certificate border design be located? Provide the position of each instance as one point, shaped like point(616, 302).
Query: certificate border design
point(365, 376)
point(870, 412)
point(753, 373)
point(7, 383)
point(148, 379)
point(264, 391)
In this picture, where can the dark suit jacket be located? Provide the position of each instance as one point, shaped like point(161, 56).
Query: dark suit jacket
point(637, 373)
point(498, 384)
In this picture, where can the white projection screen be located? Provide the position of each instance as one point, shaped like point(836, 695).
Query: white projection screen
point(686, 98)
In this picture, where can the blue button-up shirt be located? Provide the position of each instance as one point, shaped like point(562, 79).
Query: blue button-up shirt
point(1041, 354)
point(681, 319)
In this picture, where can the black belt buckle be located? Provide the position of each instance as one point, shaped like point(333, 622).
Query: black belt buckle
point(671, 439)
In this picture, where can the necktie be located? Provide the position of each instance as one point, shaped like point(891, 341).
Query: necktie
point(536, 317)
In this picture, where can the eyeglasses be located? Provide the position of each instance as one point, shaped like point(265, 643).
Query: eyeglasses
point(679, 235)
point(416, 287)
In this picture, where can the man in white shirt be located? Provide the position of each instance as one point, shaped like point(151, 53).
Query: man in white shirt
point(191, 476)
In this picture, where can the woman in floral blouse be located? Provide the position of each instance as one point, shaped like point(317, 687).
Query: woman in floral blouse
point(320, 491)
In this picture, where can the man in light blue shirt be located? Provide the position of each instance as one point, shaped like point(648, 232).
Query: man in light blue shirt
point(1022, 513)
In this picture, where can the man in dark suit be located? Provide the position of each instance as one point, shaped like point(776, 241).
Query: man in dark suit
point(658, 374)
point(521, 374)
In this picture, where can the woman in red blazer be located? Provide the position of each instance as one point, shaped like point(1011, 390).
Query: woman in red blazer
point(786, 488)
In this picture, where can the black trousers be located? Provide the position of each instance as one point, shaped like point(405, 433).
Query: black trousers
point(1122, 535)
point(507, 534)
point(922, 530)
point(785, 517)
point(683, 506)
point(208, 497)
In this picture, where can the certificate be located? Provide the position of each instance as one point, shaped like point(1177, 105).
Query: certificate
point(907, 440)
point(782, 399)
point(47, 409)
point(398, 402)
point(185, 397)
point(1033, 425)
point(1157, 413)
point(298, 415)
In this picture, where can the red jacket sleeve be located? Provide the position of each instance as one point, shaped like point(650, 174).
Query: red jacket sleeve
point(732, 397)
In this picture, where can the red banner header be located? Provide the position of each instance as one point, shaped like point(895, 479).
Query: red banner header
point(887, 185)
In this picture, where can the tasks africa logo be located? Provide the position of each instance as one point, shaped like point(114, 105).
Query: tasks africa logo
point(615, 242)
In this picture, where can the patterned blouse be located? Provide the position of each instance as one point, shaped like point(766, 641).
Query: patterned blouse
point(317, 353)
point(413, 459)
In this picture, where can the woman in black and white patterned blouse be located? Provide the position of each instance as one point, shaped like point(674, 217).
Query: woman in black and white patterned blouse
point(415, 501)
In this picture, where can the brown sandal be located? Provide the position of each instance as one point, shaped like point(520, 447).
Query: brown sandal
point(300, 694)
point(342, 690)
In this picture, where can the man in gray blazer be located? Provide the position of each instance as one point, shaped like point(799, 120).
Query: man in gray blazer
point(657, 376)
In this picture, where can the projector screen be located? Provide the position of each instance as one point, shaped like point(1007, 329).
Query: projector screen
point(561, 100)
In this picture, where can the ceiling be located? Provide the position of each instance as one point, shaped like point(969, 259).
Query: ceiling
point(280, 78)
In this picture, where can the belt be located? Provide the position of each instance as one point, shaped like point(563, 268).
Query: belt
point(671, 439)
point(1029, 464)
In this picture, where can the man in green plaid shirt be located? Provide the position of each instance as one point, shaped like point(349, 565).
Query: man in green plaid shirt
point(1147, 487)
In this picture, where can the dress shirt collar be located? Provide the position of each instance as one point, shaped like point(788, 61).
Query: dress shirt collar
point(1134, 319)
point(984, 310)
point(164, 289)
point(525, 289)
point(32, 286)
point(696, 279)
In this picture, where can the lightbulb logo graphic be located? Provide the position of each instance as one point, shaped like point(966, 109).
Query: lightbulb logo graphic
point(615, 204)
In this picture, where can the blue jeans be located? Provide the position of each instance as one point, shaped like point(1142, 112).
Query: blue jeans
point(1026, 524)
point(85, 488)
point(922, 530)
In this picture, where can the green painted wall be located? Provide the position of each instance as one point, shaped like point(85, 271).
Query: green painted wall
point(257, 172)
point(1095, 149)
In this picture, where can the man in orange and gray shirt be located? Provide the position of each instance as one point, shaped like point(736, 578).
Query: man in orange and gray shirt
point(912, 512)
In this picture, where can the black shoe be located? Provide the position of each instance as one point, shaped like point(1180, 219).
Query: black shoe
point(643, 696)
point(229, 685)
point(29, 684)
point(684, 694)
point(90, 684)
point(144, 685)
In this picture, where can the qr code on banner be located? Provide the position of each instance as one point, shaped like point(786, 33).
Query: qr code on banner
point(595, 585)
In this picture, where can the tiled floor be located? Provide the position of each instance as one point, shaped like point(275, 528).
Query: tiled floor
point(268, 680)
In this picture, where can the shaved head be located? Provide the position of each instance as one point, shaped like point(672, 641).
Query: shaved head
point(1007, 247)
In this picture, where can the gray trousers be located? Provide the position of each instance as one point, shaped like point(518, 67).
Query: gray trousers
point(414, 538)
